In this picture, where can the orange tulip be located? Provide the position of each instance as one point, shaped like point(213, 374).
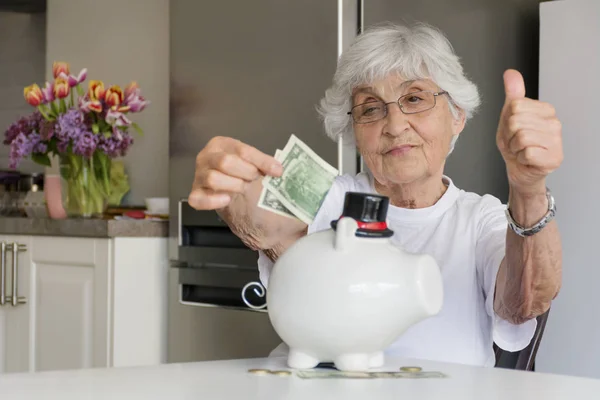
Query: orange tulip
point(61, 88)
point(33, 95)
point(132, 89)
point(95, 105)
point(113, 96)
point(96, 90)
point(60, 67)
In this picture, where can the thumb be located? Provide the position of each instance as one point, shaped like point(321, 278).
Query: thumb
point(514, 85)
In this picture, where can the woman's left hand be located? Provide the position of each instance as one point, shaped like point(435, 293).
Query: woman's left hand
point(529, 137)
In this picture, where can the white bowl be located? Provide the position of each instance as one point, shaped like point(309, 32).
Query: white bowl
point(157, 205)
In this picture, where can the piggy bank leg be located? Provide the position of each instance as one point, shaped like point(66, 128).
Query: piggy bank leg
point(353, 362)
point(376, 360)
point(298, 359)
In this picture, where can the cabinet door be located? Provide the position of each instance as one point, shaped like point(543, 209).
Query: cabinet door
point(71, 303)
point(15, 355)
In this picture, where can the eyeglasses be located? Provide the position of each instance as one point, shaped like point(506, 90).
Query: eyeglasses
point(411, 103)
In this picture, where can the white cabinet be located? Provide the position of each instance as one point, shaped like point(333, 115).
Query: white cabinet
point(91, 302)
point(14, 319)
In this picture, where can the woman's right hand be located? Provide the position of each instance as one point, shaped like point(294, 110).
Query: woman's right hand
point(226, 167)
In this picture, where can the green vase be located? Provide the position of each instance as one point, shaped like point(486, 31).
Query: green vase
point(85, 185)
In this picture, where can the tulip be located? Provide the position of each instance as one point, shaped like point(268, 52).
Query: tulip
point(137, 104)
point(96, 90)
point(117, 118)
point(91, 105)
point(75, 80)
point(61, 88)
point(60, 67)
point(132, 90)
point(48, 92)
point(33, 95)
point(113, 96)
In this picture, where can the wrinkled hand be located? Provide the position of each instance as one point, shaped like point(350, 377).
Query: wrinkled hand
point(226, 167)
point(529, 137)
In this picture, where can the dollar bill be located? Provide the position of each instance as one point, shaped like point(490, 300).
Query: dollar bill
point(312, 374)
point(269, 202)
point(305, 181)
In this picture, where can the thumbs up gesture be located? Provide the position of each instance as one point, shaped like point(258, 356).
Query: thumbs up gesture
point(529, 137)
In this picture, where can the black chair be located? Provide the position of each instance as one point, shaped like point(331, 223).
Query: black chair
point(525, 359)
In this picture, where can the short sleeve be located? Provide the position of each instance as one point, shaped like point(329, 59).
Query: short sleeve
point(490, 251)
point(330, 209)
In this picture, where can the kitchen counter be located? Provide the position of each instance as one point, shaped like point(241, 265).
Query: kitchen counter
point(229, 380)
point(96, 228)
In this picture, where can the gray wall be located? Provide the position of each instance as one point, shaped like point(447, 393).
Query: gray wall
point(489, 36)
point(136, 47)
point(570, 53)
point(22, 62)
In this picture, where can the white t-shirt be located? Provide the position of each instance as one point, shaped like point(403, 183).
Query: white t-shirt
point(466, 234)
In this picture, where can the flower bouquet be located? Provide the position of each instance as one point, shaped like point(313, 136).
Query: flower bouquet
point(86, 129)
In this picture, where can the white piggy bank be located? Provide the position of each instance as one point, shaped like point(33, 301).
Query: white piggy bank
point(345, 294)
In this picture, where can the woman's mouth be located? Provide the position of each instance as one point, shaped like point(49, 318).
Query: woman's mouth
point(400, 150)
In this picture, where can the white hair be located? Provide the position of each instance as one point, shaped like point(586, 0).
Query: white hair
point(417, 52)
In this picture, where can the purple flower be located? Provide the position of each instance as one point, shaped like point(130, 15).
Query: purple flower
point(115, 146)
point(70, 124)
point(85, 144)
point(22, 146)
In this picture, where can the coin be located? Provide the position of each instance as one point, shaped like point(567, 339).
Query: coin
point(411, 369)
point(281, 373)
point(259, 371)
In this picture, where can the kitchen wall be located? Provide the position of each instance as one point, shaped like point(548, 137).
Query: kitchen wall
point(489, 36)
point(120, 41)
point(22, 62)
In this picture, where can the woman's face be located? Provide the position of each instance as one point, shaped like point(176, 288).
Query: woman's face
point(401, 148)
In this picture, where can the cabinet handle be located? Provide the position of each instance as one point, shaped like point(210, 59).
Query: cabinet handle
point(2, 274)
point(15, 299)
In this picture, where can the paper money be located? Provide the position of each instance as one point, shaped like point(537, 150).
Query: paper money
point(269, 202)
point(305, 181)
point(312, 374)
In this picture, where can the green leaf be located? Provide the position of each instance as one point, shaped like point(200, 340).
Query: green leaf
point(80, 90)
point(95, 129)
point(44, 111)
point(137, 129)
point(54, 109)
point(41, 159)
point(107, 134)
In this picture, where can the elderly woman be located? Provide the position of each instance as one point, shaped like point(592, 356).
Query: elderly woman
point(401, 95)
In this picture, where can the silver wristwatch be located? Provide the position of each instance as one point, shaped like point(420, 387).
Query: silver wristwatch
point(519, 230)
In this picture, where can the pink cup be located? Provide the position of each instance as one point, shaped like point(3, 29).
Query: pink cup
point(53, 195)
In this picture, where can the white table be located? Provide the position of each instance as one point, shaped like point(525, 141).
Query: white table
point(230, 380)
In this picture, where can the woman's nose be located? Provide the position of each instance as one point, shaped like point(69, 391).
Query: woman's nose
point(396, 120)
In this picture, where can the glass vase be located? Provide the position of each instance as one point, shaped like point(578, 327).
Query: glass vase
point(85, 185)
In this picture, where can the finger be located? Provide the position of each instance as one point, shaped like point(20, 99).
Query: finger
point(528, 138)
point(533, 156)
point(203, 199)
point(514, 85)
point(531, 106)
point(234, 165)
point(265, 163)
point(219, 182)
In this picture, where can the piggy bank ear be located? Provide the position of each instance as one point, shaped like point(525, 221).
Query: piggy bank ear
point(345, 233)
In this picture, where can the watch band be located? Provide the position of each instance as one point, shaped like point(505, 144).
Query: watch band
point(519, 230)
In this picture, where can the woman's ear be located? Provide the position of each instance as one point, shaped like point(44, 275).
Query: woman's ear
point(458, 124)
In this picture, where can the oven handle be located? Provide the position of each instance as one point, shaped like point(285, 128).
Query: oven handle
point(258, 290)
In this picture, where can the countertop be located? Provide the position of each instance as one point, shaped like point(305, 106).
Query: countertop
point(96, 228)
point(229, 380)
